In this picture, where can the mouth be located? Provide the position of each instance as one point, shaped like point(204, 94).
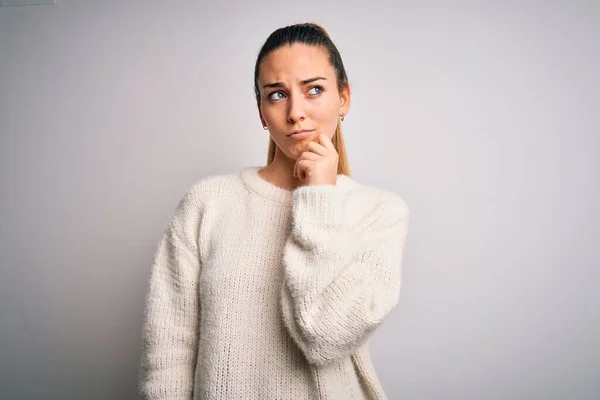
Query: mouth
point(301, 134)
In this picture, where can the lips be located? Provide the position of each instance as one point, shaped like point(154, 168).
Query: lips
point(301, 134)
point(300, 131)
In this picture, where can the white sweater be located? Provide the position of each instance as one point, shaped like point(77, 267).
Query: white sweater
point(257, 292)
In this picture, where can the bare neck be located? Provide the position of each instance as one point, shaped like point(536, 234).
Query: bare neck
point(280, 172)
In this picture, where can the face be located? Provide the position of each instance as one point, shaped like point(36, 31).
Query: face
point(298, 91)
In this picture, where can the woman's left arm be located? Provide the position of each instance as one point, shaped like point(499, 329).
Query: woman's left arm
point(341, 278)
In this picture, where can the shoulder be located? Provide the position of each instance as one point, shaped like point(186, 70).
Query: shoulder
point(376, 199)
point(214, 187)
point(204, 198)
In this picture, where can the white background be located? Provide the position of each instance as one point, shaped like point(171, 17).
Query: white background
point(482, 115)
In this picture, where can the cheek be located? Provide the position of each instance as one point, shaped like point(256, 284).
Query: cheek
point(266, 112)
point(328, 109)
point(274, 116)
point(268, 109)
point(327, 115)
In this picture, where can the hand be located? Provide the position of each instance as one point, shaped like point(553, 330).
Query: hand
point(318, 163)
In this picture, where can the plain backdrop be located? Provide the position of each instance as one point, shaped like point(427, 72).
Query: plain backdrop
point(481, 115)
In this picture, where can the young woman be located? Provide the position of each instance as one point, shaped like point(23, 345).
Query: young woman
point(268, 282)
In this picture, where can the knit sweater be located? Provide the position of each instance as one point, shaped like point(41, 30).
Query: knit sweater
point(258, 292)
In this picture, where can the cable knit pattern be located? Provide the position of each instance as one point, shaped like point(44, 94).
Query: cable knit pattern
point(257, 292)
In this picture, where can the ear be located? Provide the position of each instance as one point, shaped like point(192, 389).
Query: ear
point(345, 99)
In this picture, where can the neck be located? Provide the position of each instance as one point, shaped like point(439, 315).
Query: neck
point(280, 172)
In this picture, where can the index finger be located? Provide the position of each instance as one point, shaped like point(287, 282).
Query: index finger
point(325, 141)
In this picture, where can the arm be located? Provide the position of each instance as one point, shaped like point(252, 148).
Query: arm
point(341, 279)
point(170, 329)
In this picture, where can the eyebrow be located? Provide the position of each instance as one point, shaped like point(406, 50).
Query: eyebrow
point(304, 82)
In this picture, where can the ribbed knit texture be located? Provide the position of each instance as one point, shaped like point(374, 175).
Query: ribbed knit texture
point(257, 292)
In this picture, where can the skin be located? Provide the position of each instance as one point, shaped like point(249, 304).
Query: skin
point(294, 105)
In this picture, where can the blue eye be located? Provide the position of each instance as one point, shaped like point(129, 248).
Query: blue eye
point(320, 88)
point(270, 96)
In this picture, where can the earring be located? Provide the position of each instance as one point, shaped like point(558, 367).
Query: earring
point(342, 117)
point(265, 127)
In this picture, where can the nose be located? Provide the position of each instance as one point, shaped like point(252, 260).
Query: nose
point(296, 110)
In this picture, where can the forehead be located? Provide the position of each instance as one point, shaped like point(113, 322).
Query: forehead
point(295, 62)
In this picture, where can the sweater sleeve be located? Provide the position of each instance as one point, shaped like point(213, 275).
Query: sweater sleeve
point(341, 272)
point(170, 327)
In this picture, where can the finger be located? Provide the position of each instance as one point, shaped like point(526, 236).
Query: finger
point(304, 167)
point(299, 172)
point(314, 145)
point(326, 142)
point(317, 148)
point(307, 155)
point(294, 174)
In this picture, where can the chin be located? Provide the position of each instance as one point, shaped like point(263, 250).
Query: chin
point(294, 150)
point(294, 153)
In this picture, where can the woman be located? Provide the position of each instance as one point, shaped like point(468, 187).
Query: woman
point(267, 283)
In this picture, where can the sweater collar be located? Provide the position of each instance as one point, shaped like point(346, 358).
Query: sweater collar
point(255, 183)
